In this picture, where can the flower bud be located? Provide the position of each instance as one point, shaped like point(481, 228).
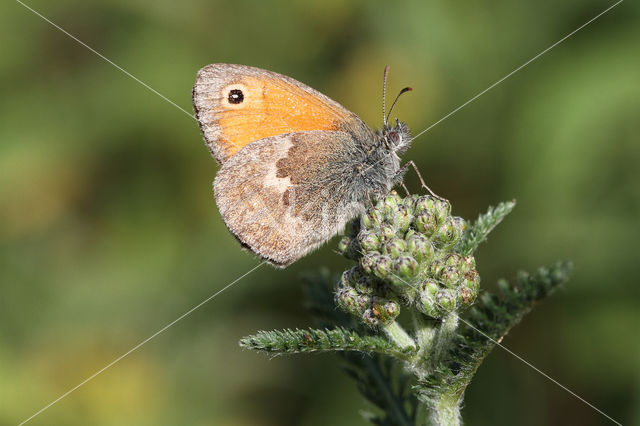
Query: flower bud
point(453, 259)
point(429, 287)
point(368, 240)
point(446, 234)
point(354, 274)
point(390, 204)
point(392, 308)
point(402, 219)
point(435, 269)
point(350, 301)
point(442, 210)
point(365, 286)
point(426, 300)
point(344, 245)
point(382, 266)
point(425, 223)
point(450, 276)
point(387, 231)
point(368, 261)
point(395, 247)
point(410, 233)
point(460, 224)
point(471, 280)
point(420, 248)
point(369, 318)
point(385, 312)
point(410, 201)
point(445, 300)
point(372, 219)
point(466, 296)
point(428, 307)
point(406, 266)
point(424, 203)
point(345, 279)
point(467, 263)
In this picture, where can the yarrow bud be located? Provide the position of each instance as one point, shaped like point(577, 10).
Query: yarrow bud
point(365, 286)
point(387, 231)
point(435, 269)
point(426, 223)
point(406, 266)
point(395, 247)
point(426, 301)
point(368, 240)
point(402, 219)
point(450, 276)
point(368, 261)
point(386, 312)
point(369, 318)
point(446, 300)
point(382, 267)
point(446, 234)
point(349, 300)
point(471, 280)
point(420, 248)
point(405, 253)
point(442, 209)
point(390, 204)
point(373, 219)
point(346, 248)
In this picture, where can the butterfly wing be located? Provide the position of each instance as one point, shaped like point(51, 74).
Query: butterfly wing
point(237, 104)
point(285, 195)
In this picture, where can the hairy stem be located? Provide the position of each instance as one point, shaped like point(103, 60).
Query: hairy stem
point(444, 337)
point(446, 411)
point(399, 336)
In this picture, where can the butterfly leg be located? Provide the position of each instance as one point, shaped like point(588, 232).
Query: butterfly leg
point(367, 195)
point(399, 178)
point(403, 170)
point(405, 188)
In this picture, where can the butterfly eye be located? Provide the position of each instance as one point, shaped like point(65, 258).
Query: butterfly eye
point(394, 137)
point(236, 96)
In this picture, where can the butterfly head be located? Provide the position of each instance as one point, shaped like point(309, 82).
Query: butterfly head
point(397, 138)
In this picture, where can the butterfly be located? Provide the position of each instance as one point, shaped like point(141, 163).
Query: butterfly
point(296, 166)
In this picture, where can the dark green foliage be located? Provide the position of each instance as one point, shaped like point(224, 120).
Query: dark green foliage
point(385, 384)
point(314, 340)
point(487, 323)
point(412, 253)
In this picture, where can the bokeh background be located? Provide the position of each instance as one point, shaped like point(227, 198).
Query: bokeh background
point(109, 230)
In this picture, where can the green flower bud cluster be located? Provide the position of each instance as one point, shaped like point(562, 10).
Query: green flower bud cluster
point(405, 249)
point(366, 298)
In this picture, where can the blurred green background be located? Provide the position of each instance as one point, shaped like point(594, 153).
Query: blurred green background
point(109, 230)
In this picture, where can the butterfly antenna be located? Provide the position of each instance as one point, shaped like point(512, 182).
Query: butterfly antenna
point(405, 90)
point(384, 96)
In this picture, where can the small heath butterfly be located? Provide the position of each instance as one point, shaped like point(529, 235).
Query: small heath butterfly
point(296, 165)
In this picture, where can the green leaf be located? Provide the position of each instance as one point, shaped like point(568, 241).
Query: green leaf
point(477, 233)
point(316, 340)
point(489, 321)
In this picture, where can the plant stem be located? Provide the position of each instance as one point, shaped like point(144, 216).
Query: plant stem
point(398, 335)
point(446, 410)
point(445, 336)
point(425, 335)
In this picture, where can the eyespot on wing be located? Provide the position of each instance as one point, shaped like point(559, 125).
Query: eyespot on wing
point(237, 104)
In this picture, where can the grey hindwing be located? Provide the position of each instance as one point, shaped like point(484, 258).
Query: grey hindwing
point(285, 195)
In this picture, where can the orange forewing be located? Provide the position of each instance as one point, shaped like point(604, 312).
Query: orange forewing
point(272, 108)
point(272, 105)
